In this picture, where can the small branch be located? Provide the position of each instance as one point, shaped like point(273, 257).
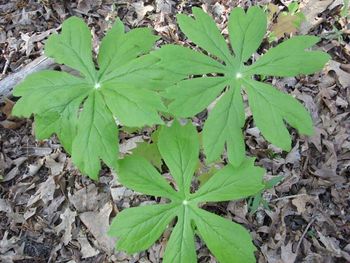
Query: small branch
point(9, 82)
point(287, 197)
point(303, 235)
point(8, 60)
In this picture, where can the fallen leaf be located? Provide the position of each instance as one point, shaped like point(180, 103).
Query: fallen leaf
point(56, 167)
point(98, 223)
point(85, 6)
point(7, 107)
point(150, 152)
point(5, 206)
point(285, 24)
point(287, 254)
point(342, 75)
point(293, 156)
point(141, 10)
point(331, 244)
point(300, 202)
point(87, 198)
point(311, 9)
point(164, 6)
point(130, 144)
point(8, 243)
point(86, 250)
point(15, 170)
point(120, 193)
point(68, 218)
point(45, 192)
point(52, 210)
point(29, 213)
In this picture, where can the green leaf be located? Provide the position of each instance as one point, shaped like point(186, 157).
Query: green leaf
point(203, 31)
point(179, 147)
point(46, 124)
point(150, 152)
point(223, 70)
point(193, 95)
point(345, 9)
point(133, 106)
point(138, 174)
point(97, 137)
point(290, 59)
point(59, 88)
point(180, 247)
point(272, 182)
point(137, 228)
point(231, 183)
point(73, 47)
point(264, 98)
point(293, 7)
point(118, 48)
point(254, 202)
point(225, 124)
point(145, 72)
point(82, 111)
point(63, 122)
point(247, 31)
point(204, 177)
point(229, 242)
point(195, 63)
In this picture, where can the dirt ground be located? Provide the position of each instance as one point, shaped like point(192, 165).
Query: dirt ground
point(49, 212)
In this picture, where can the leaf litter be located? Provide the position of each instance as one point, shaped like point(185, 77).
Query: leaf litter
point(47, 209)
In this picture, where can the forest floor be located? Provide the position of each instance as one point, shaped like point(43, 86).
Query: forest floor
point(49, 212)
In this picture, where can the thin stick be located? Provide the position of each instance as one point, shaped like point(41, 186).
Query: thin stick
point(287, 197)
point(303, 235)
point(8, 83)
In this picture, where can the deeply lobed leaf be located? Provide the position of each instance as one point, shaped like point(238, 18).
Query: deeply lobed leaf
point(73, 48)
point(290, 59)
point(262, 98)
point(224, 124)
point(217, 231)
point(138, 228)
point(82, 110)
point(179, 147)
point(246, 31)
point(230, 72)
point(231, 183)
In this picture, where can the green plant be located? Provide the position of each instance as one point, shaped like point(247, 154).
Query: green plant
point(81, 110)
point(138, 228)
point(286, 22)
point(257, 200)
point(335, 34)
point(122, 87)
point(345, 9)
point(294, 10)
point(150, 150)
point(227, 74)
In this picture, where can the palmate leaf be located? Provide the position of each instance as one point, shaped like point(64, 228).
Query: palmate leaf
point(226, 74)
point(82, 110)
point(138, 228)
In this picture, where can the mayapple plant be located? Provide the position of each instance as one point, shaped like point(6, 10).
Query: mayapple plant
point(138, 228)
point(82, 109)
point(126, 85)
point(231, 71)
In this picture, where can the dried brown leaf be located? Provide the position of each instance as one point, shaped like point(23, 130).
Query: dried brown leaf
point(98, 223)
